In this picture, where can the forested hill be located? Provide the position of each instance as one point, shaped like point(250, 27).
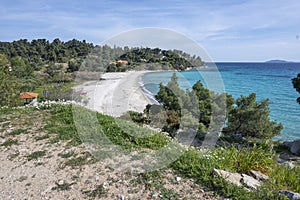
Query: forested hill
point(40, 51)
point(41, 54)
point(175, 59)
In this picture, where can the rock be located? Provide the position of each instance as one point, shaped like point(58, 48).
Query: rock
point(234, 178)
point(290, 195)
point(258, 175)
point(289, 157)
point(155, 194)
point(287, 144)
point(60, 182)
point(121, 197)
point(238, 137)
point(96, 178)
point(250, 182)
point(105, 184)
point(239, 179)
point(178, 178)
point(289, 163)
point(295, 147)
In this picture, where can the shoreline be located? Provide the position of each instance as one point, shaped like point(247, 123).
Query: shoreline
point(118, 93)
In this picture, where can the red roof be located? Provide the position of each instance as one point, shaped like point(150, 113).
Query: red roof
point(28, 95)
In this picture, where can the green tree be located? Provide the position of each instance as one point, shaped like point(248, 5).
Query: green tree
point(251, 119)
point(204, 103)
point(9, 86)
point(296, 84)
point(20, 69)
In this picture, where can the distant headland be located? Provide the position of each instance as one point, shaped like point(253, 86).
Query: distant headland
point(278, 61)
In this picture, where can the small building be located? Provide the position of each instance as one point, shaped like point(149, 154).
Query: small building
point(29, 95)
point(124, 62)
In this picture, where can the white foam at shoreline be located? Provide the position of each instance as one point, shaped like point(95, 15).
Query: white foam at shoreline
point(146, 92)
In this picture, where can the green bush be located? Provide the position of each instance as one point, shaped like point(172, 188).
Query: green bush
point(35, 155)
point(244, 160)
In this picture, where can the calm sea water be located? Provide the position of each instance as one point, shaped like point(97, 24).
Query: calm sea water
point(267, 80)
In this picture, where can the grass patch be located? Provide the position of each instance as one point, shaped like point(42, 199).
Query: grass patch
point(13, 156)
point(35, 155)
point(79, 161)
point(167, 194)
point(199, 166)
point(151, 180)
point(62, 124)
point(22, 178)
point(18, 132)
point(244, 160)
point(62, 187)
point(66, 155)
point(5, 124)
point(43, 137)
point(9, 142)
point(100, 191)
point(287, 178)
point(119, 132)
point(130, 135)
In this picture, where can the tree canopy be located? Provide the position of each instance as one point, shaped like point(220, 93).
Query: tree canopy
point(244, 116)
point(9, 85)
point(250, 118)
point(41, 51)
point(199, 105)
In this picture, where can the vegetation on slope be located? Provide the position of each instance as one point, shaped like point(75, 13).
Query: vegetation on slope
point(194, 163)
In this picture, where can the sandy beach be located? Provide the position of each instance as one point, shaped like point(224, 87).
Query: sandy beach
point(117, 93)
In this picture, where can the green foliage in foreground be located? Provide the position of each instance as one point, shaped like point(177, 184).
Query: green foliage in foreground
point(117, 131)
point(199, 166)
point(61, 124)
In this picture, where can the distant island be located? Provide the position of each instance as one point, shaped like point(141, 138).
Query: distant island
point(277, 61)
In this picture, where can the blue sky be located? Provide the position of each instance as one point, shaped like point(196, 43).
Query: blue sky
point(229, 30)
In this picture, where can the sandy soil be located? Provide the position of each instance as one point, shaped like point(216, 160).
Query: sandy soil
point(118, 93)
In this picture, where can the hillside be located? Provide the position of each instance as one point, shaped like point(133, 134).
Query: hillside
point(42, 156)
point(42, 55)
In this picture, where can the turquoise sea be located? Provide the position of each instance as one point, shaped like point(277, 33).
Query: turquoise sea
point(267, 80)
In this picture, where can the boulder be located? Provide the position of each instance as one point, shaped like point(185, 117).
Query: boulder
point(234, 178)
point(250, 182)
point(294, 146)
point(290, 195)
point(240, 179)
point(258, 175)
point(289, 157)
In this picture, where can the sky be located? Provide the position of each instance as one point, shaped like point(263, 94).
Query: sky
point(228, 30)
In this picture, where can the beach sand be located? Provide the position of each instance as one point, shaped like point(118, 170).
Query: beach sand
point(117, 93)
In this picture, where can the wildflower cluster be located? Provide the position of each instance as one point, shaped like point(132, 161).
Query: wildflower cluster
point(48, 104)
